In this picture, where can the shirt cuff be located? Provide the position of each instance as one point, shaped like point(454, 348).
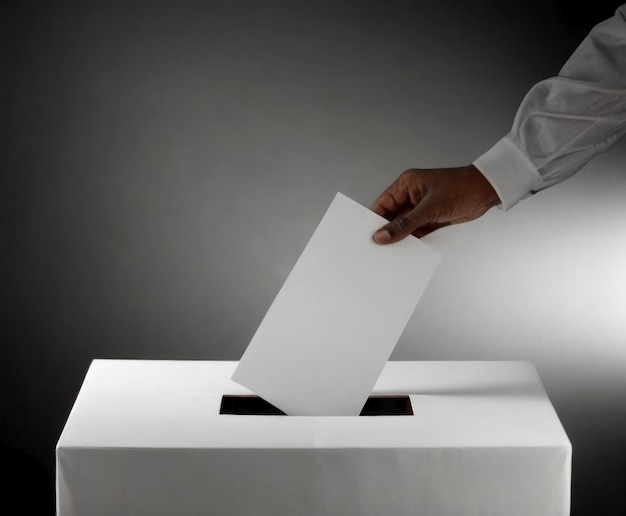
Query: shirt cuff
point(510, 172)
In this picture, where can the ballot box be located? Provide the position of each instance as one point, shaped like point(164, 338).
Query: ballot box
point(147, 438)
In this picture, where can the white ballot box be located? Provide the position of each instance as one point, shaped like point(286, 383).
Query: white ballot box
point(147, 438)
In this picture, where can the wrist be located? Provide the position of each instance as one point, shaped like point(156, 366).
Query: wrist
point(485, 193)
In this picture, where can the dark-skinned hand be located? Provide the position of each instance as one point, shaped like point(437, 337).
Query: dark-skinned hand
point(423, 200)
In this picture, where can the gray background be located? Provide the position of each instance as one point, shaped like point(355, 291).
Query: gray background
point(163, 166)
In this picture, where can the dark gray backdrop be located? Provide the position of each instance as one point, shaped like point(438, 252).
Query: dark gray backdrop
point(164, 164)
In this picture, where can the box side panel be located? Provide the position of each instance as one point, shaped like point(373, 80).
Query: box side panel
point(363, 482)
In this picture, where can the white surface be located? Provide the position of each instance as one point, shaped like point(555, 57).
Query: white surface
point(146, 438)
point(334, 323)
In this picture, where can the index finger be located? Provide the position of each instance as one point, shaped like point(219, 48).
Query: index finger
point(390, 201)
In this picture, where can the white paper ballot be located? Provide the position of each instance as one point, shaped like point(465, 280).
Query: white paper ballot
point(333, 325)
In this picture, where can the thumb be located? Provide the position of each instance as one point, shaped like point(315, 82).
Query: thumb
point(401, 227)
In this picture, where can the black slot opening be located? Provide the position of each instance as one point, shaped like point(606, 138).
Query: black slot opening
point(249, 405)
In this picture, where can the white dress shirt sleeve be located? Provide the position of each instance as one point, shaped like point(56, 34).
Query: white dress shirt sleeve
point(566, 120)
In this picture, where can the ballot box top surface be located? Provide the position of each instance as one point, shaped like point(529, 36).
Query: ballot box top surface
point(176, 404)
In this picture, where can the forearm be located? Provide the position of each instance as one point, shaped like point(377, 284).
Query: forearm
point(566, 120)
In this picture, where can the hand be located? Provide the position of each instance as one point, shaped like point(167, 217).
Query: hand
point(422, 200)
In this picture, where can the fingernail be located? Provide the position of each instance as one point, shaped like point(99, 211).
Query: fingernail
point(382, 236)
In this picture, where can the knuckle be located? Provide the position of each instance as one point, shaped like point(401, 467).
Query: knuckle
point(402, 224)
